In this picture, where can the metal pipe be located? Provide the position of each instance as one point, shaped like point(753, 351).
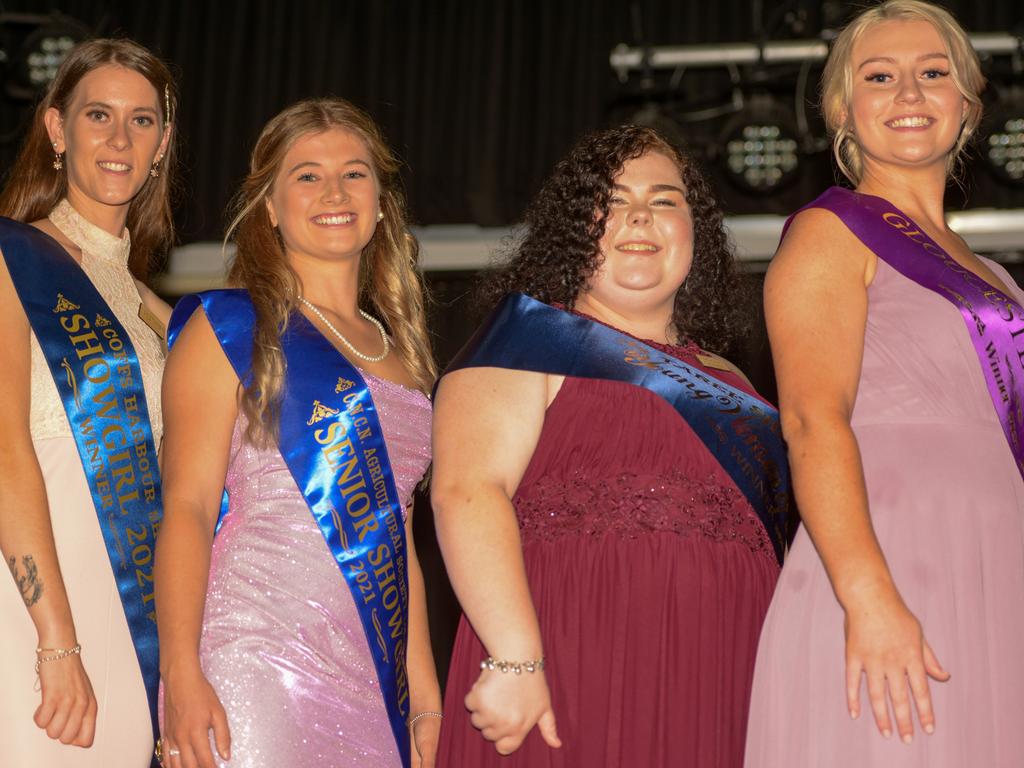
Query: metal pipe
point(625, 58)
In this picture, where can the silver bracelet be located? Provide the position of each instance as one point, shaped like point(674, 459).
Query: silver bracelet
point(413, 720)
point(513, 666)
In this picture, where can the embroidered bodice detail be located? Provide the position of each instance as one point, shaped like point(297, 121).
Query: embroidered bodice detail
point(105, 261)
point(616, 459)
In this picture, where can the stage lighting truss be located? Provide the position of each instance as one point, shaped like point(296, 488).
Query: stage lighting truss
point(763, 141)
point(32, 48)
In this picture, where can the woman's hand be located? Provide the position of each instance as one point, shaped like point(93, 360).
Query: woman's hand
point(68, 709)
point(505, 706)
point(884, 641)
point(426, 732)
point(191, 709)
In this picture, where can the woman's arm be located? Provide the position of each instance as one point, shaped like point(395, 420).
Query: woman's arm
point(424, 690)
point(199, 409)
point(816, 309)
point(486, 425)
point(68, 708)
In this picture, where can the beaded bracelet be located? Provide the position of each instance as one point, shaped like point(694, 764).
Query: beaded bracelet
point(513, 666)
point(57, 654)
point(413, 720)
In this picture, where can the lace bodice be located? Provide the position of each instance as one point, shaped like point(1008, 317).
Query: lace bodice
point(613, 458)
point(105, 261)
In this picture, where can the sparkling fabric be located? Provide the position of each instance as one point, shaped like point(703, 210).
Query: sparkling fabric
point(105, 261)
point(671, 502)
point(282, 643)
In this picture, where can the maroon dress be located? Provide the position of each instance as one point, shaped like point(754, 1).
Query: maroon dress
point(651, 575)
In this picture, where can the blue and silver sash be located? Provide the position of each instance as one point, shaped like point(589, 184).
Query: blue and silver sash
point(741, 431)
point(98, 378)
point(332, 442)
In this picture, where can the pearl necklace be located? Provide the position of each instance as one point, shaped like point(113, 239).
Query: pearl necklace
point(348, 344)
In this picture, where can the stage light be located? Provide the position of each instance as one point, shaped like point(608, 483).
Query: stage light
point(40, 44)
point(42, 63)
point(1004, 142)
point(760, 147)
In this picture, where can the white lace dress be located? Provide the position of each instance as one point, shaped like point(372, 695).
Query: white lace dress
point(123, 730)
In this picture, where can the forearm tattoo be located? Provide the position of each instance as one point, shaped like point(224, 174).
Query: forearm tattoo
point(29, 583)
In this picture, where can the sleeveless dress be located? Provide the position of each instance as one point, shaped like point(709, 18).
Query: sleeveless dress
point(282, 643)
point(124, 735)
point(947, 505)
point(650, 574)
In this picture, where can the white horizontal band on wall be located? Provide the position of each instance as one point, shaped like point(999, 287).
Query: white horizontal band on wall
point(199, 266)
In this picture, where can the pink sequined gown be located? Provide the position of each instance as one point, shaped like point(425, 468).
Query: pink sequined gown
point(282, 643)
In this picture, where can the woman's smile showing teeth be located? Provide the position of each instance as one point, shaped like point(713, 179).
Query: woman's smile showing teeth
point(910, 121)
point(110, 165)
point(334, 219)
point(637, 246)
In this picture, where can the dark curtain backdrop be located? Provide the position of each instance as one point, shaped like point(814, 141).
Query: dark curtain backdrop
point(480, 98)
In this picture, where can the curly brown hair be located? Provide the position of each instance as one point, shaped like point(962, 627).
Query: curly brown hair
point(559, 250)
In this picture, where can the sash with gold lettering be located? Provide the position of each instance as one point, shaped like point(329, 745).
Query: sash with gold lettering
point(331, 440)
point(994, 321)
point(741, 431)
point(98, 378)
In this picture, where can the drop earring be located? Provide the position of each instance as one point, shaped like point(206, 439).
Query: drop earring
point(58, 160)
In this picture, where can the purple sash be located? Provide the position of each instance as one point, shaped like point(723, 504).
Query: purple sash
point(994, 321)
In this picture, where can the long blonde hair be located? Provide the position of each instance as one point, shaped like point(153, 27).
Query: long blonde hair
point(34, 187)
point(389, 280)
point(837, 79)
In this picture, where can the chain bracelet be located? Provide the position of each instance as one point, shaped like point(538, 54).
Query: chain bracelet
point(56, 654)
point(412, 721)
point(512, 666)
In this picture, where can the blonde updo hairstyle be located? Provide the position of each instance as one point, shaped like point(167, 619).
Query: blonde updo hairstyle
point(837, 79)
point(389, 280)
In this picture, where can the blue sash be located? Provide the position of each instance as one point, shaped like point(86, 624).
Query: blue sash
point(741, 431)
point(332, 442)
point(97, 374)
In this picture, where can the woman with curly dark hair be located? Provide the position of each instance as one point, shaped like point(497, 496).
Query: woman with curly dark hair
point(610, 495)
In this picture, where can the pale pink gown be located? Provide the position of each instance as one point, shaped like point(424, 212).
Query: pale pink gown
point(947, 504)
point(282, 643)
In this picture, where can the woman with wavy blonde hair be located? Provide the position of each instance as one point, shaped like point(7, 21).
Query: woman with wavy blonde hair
point(893, 637)
point(299, 634)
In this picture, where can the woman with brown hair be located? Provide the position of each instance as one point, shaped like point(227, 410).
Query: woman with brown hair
point(80, 381)
point(288, 633)
point(609, 493)
point(894, 636)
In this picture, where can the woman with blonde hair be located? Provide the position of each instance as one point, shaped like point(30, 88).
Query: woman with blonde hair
point(80, 371)
point(898, 353)
point(299, 634)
